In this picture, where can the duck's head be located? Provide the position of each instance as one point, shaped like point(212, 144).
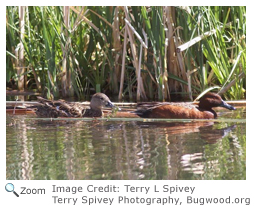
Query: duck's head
point(210, 100)
point(100, 100)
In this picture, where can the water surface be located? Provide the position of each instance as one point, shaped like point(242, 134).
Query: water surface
point(85, 149)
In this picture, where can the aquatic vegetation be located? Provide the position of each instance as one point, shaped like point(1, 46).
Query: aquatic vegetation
point(138, 52)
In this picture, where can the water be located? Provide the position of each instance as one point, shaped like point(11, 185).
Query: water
point(85, 149)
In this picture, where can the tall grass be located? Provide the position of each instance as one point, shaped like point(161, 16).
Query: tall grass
point(138, 52)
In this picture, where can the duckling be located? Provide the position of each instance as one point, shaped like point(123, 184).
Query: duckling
point(61, 108)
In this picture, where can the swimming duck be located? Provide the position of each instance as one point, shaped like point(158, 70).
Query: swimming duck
point(183, 110)
point(61, 108)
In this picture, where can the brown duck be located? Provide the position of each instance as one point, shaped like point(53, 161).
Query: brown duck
point(61, 108)
point(183, 110)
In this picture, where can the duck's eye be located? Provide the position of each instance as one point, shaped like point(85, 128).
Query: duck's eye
point(101, 98)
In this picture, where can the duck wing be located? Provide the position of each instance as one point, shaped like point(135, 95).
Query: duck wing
point(60, 108)
point(74, 109)
point(152, 105)
point(145, 108)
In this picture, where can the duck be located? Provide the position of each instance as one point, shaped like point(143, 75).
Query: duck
point(183, 110)
point(60, 108)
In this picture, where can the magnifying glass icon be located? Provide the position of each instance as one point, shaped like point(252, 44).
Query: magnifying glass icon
point(9, 187)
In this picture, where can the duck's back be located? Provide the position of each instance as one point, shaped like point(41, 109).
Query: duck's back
point(172, 111)
point(54, 109)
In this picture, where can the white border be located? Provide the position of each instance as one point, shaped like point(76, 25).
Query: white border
point(203, 188)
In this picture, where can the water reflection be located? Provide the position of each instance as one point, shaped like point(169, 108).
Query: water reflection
point(101, 149)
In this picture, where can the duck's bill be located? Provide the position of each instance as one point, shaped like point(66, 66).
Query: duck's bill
point(109, 104)
point(225, 105)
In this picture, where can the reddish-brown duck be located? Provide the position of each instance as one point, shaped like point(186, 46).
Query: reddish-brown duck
point(183, 110)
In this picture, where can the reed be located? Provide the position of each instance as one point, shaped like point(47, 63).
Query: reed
point(141, 52)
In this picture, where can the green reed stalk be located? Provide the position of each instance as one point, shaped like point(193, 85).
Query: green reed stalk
point(79, 50)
